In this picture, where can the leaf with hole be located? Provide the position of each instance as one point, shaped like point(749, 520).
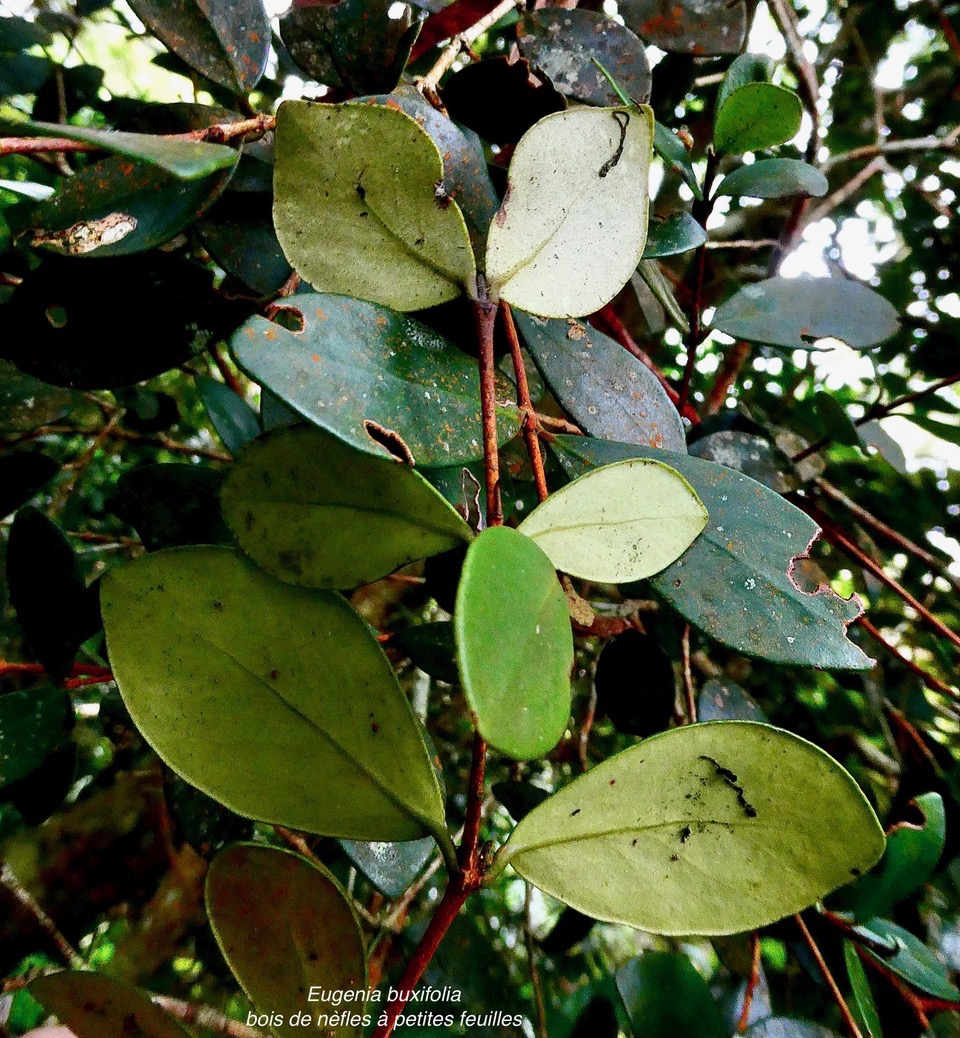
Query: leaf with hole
point(286, 927)
point(677, 234)
point(619, 523)
point(734, 582)
point(573, 223)
point(665, 997)
point(32, 724)
point(774, 178)
point(710, 829)
point(313, 511)
point(233, 654)
point(511, 610)
point(755, 117)
point(361, 208)
point(377, 379)
point(688, 26)
point(795, 312)
point(606, 390)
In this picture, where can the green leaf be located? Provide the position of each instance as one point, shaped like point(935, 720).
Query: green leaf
point(788, 1027)
point(573, 223)
point(357, 207)
point(432, 648)
point(514, 644)
point(750, 454)
point(285, 926)
point(606, 390)
point(726, 701)
point(563, 44)
point(914, 961)
point(873, 434)
point(744, 556)
point(390, 867)
point(228, 43)
point(665, 997)
point(796, 312)
point(233, 654)
point(23, 474)
point(187, 160)
point(834, 420)
point(27, 403)
point(312, 511)
point(863, 1006)
point(635, 684)
point(379, 380)
point(32, 724)
point(711, 829)
point(944, 427)
point(618, 523)
point(234, 419)
point(678, 233)
point(743, 70)
point(695, 27)
point(774, 178)
point(677, 156)
point(755, 117)
point(94, 1006)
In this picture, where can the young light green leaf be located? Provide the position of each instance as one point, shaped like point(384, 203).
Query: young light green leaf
point(744, 69)
point(285, 926)
point(774, 178)
point(755, 117)
point(274, 700)
point(711, 829)
point(573, 223)
point(312, 511)
point(360, 208)
point(618, 523)
point(514, 644)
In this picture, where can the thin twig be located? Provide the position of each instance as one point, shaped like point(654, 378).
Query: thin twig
point(847, 190)
point(689, 692)
point(751, 988)
point(529, 426)
point(485, 315)
point(69, 954)
point(868, 151)
point(205, 1016)
point(932, 682)
point(540, 1028)
point(848, 1019)
point(463, 41)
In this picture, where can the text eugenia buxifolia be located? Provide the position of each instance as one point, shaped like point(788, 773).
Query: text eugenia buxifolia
point(354, 1007)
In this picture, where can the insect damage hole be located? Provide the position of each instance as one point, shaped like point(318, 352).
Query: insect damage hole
point(389, 440)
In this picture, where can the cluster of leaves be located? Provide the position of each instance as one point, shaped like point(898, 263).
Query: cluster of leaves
point(308, 636)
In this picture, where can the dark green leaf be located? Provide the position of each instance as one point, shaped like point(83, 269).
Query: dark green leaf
point(23, 73)
point(744, 69)
point(519, 797)
point(563, 43)
point(863, 1007)
point(676, 155)
point(19, 34)
point(27, 403)
point(722, 700)
point(379, 380)
point(873, 434)
point(744, 555)
point(432, 648)
point(635, 684)
point(666, 997)
point(569, 930)
point(228, 43)
point(390, 867)
point(238, 232)
point(606, 390)
point(204, 823)
point(752, 455)
point(834, 421)
point(915, 962)
point(774, 178)
point(942, 426)
point(796, 312)
point(678, 233)
point(313, 511)
point(234, 419)
point(32, 723)
point(275, 414)
point(755, 117)
point(511, 610)
point(23, 474)
point(689, 26)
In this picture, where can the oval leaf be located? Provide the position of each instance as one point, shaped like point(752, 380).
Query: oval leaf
point(619, 523)
point(666, 997)
point(756, 116)
point(678, 233)
point(711, 829)
point(774, 178)
point(233, 655)
point(914, 961)
point(573, 223)
point(511, 611)
point(688, 26)
point(312, 511)
point(359, 208)
point(380, 381)
point(32, 723)
point(284, 925)
point(796, 312)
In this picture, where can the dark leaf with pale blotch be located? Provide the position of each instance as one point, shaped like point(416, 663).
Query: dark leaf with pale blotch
point(32, 724)
point(722, 700)
point(635, 684)
point(226, 42)
point(734, 581)
point(688, 26)
point(795, 312)
point(233, 418)
point(285, 926)
point(563, 43)
point(27, 403)
point(390, 867)
point(755, 117)
point(605, 390)
point(774, 178)
point(666, 997)
point(750, 454)
point(678, 233)
point(379, 380)
point(23, 474)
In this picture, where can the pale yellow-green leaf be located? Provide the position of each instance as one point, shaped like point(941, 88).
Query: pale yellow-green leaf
point(573, 224)
point(618, 523)
point(359, 206)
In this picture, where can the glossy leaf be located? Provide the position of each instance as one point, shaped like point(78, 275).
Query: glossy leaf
point(233, 418)
point(563, 43)
point(619, 523)
point(285, 926)
point(607, 391)
point(92, 1005)
point(390, 867)
point(573, 223)
point(228, 43)
point(238, 232)
point(710, 829)
point(27, 403)
point(32, 723)
point(745, 69)
point(676, 155)
point(788, 1027)
point(915, 962)
point(862, 1006)
point(677, 234)
point(431, 647)
point(774, 178)
point(357, 209)
point(796, 312)
point(755, 117)
point(688, 26)
point(510, 612)
point(722, 700)
point(234, 653)
point(380, 381)
point(750, 454)
point(312, 511)
point(23, 474)
point(635, 684)
point(665, 997)
point(745, 554)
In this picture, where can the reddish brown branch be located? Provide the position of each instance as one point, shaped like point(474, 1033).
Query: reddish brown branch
point(824, 969)
point(748, 994)
point(485, 316)
point(933, 683)
point(530, 434)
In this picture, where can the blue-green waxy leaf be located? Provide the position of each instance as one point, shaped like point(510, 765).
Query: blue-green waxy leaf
point(390, 867)
point(313, 511)
point(795, 312)
point(756, 116)
point(234, 419)
point(726, 701)
point(32, 723)
point(688, 26)
point(678, 233)
point(288, 931)
point(774, 178)
point(377, 379)
point(788, 1027)
point(666, 997)
point(914, 961)
point(275, 700)
point(734, 581)
point(710, 829)
point(510, 612)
